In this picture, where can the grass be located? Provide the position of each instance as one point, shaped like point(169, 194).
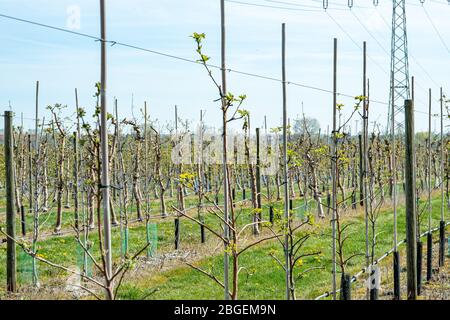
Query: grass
point(267, 278)
point(261, 279)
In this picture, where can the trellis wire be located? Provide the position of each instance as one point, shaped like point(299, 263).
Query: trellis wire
point(364, 270)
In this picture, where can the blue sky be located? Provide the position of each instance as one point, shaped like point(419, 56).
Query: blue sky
point(62, 62)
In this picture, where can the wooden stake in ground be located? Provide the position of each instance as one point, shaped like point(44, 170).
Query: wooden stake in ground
point(396, 255)
point(224, 140)
point(429, 235)
point(30, 175)
point(36, 181)
point(334, 171)
point(76, 180)
point(442, 223)
point(258, 176)
point(410, 190)
point(105, 157)
point(11, 285)
point(285, 163)
point(365, 158)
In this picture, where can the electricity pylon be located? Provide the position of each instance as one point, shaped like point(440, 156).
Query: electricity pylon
point(400, 90)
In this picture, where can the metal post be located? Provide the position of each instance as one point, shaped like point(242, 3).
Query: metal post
point(399, 59)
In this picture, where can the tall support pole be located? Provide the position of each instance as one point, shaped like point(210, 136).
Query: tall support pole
point(334, 170)
point(36, 124)
point(361, 172)
point(442, 223)
point(81, 186)
point(285, 161)
point(224, 139)
point(76, 181)
point(365, 159)
point(410, 190)
point(258, 174)
point(30, 174)
point(396, 255)
point(429, 235)
point(105, 156)
point(36, 120)
point(36, 181)
point(267, 177)
point(179, 191)
point(146, 184)
point(399, 60)
point(419, 246)
point(11, 285)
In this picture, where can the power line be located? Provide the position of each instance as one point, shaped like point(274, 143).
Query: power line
point(135, 47)
point(359, 21)
point(385, 50)
point(302, 5)
point(411, 55)
point(338, 4)
point(355, 42)
point(297, 6)
point(49, 27)
point(388, 54)
point(272, 6)
point(362, 24)
point(359, 46)
point(436, 30)
point(370, 33)
point(293, 4)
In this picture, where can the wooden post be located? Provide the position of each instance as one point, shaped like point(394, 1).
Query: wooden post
point(411, 217)
point(105, 157)
point(396, 254)
point(258, 173)
point(442, 222)
point(225, 160)
point(177, 233)
point(30, 175)
point(366, 157)
point(429, 235)
point(285, 162)
point(361, 175)
point(334, 172)
point(269, 197)
point(76, 180)
point(23, 222)
point(419, 266)
point(346, 287)
point(36, 183)
point(271, 215)
point(11, 285)
point(179, 190)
